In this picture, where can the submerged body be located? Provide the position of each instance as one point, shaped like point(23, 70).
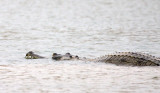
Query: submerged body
point(119, 58)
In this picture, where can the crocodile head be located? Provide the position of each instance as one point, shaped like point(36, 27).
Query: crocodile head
point(31, 55)
point(67, 56)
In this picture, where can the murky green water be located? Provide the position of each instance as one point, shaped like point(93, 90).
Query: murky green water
point(85, 28)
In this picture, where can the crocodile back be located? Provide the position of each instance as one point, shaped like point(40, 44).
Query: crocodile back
point(130, 58)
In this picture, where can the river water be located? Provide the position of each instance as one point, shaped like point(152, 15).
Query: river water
point(88, 28)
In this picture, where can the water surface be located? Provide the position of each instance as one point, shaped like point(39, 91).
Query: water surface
point(90, 29)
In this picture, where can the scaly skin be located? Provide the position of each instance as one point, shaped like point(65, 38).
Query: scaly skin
point(119, 58)
point(130, 58)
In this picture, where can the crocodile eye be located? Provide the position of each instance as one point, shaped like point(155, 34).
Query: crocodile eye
point(30, 52)
point(77, 57)
point(54, 54)
point(27, 54)
point(68, 54)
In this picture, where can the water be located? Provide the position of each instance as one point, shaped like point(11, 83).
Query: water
point(88, 28)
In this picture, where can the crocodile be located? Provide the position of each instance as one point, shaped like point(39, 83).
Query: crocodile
point(118, 58)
